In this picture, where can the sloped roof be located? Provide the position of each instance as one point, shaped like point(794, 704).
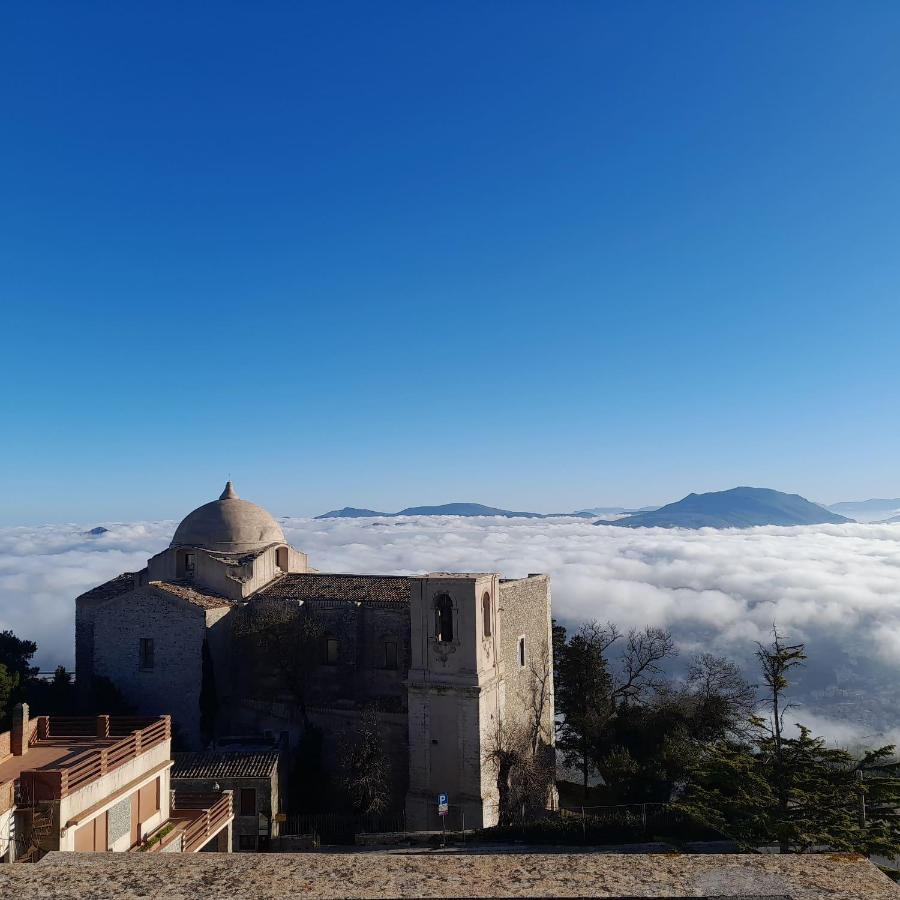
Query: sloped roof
point(121, 584)
point(370, 589)
point(242, 764)
point(203, 599)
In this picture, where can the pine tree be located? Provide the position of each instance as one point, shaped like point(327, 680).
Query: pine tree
point(9, 683)
point(583, 687)
point(795, 792)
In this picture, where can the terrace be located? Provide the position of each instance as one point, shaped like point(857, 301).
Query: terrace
point(66, 753)
point(204, 816)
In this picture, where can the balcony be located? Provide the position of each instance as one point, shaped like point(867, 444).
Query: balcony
point(67, 753)
point(7, 796)
point(204, 816)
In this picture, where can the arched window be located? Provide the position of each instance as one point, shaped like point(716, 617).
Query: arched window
point(443, 618)
point(486, 615)
point(281, 558)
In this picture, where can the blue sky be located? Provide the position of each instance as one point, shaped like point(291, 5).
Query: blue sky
point(541, 255)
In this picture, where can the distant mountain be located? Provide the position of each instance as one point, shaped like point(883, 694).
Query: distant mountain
point(867, 510)
point(466, 509)
point(350, 512)
point(448, 509)
point(741, 507)
point(613, 510)
point(893, 520)
point(96, 532)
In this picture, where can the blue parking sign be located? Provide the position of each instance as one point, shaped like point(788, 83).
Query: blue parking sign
point(443, 804)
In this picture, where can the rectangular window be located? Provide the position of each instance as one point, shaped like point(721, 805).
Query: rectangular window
point(189, 563)
point(248, 802)
point(247, 843)
point(390, 654)
point(331, 652)
point(145, 653)
point(522, 652)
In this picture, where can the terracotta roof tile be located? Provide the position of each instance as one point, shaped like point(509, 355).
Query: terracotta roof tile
point(203, 599)
point(369, 589)
point(243, 764)
point(121, 584)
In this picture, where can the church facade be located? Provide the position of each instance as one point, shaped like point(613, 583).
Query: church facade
point(230, 631)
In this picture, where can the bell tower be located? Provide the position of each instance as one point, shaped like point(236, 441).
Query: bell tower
point(455, 694)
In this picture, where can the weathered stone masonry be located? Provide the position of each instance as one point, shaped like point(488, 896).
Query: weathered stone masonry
point(438, 655)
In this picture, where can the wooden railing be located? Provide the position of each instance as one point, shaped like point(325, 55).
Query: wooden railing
point(7, 796)
point(206, 813)
point(93, 763)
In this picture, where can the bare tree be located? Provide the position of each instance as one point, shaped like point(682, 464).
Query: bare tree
point(287, 638)
point(366, 772)
point(540, 695)
point(591, 692)
point(520, 749)
point(725, 700)
point(640, 670)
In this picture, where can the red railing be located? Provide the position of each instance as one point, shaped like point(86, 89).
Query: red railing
point(207, 813)
point(93, 763)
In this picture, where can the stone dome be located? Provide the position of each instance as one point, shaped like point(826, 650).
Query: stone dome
point(228, 525)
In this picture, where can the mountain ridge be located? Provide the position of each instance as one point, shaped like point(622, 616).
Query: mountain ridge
point(875, 510)
point(740, 507)
point(448, 509)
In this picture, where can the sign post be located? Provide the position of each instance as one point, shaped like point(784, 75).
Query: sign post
point(443, 810)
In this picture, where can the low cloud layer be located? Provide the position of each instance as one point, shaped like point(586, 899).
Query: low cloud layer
point(835, 586)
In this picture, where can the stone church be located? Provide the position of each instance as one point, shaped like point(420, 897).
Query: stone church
point(447, 660)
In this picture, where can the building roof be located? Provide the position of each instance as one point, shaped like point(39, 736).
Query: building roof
point(121, 584)
point(204, 599)
point(229, 525)
point(369, 589)
point(240, 764)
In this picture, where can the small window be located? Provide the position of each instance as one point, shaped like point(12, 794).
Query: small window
point(522, 652)
point(390, 654)
point(145, 653)
point(486, 615)
point(443, 618)
point(188, 563)
point(247, 843)
point(281, 558)
point(248, 802)
point(331, 652)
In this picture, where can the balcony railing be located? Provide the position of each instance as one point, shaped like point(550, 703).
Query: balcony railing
point(107, 754)
point(7, 796)
point(206, 815)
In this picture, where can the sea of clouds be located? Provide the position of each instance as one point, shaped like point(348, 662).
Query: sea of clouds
point(837, 587)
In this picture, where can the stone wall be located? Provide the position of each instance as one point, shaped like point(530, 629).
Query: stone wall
point(359, 675)
point(177, 629)
point(527, 614)
point(260, 696)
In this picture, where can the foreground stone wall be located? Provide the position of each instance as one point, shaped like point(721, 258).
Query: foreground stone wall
point(128, 876)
